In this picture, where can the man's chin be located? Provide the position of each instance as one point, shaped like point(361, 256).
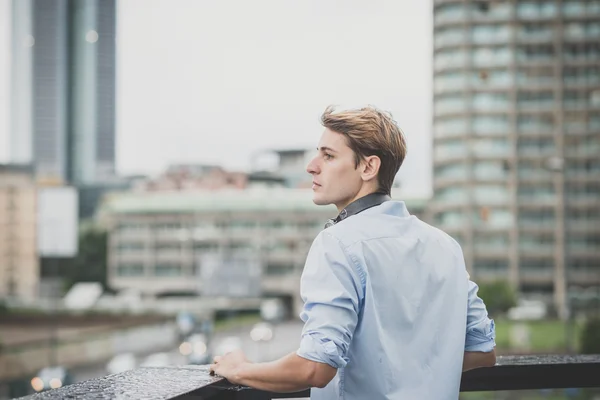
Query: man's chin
point(320, 202)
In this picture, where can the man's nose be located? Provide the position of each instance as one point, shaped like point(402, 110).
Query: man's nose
point(312, 167)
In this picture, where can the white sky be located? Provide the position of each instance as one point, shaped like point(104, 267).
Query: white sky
point(214, 81)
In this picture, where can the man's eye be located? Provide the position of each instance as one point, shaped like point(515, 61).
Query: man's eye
point(328, 156)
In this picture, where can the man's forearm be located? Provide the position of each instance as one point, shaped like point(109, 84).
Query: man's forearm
point(288, 374)
point(476, 359)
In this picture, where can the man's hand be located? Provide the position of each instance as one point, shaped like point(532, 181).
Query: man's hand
point(229, 365)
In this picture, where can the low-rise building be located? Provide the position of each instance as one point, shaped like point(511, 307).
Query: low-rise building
point(157, 240)
point(19, 265)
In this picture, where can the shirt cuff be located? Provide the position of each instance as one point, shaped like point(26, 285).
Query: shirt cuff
point(481, 337)
point(318, 348)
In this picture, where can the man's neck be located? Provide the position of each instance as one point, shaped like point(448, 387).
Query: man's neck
point(359, 195)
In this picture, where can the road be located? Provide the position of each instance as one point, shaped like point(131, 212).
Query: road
point(286, 337)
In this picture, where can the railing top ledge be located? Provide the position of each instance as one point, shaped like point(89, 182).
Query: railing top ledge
point(141, 383)
point(511, 373)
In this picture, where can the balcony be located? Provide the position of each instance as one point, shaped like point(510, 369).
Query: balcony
point(195, 382)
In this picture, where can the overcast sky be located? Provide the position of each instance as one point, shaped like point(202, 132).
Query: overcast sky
point(214, 81)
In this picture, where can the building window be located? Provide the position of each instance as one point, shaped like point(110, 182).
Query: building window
point(581, 75)
point(449, 36)
point(490, 267)
point(532, 241)
point(588, 242)
point(206, 247)
point(131, 247)
point(454, 171)
point(490, 169)
point(127, 227)
point(487, 241)
point(127, 269)
point(533, 31)
point(489, 194)
point(450, 127)
point(490, 148)
point(491, 56)
point(536, 124)
point(535, 53)
point(449, 59)
point(536, 268)
point(279, 269)
point(543, 217)
point(490, 101)
point(451, 149)
point(492, 10)
point(574, 30)
point(535, 100)
point(536, 9)
point(452, 195)
point(574, 122)
point(450, 104)
point(449, 81)
point(449, 13)
point(451, 219)
point(167, 227)
point(168, 247)
point(581, 52)
point(490, 33)
point(536, 146)
point(540, 192)
point(536, 76)
point(164, 269)
point(583, 191)
point(491, 78)
point(490, 125)
point(572, 8)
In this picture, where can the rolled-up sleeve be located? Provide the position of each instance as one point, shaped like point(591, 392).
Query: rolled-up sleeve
point(481, 332)
point(331, 289)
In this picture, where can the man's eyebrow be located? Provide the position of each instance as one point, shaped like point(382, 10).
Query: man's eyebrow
point(325, 148)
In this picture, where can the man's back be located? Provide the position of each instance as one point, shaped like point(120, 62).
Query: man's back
point(403, 324)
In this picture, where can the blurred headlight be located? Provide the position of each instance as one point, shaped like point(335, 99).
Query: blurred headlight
point(37, 384)
point(199, 348)
point(185, 348)
point(55, 383)
point(261, 333)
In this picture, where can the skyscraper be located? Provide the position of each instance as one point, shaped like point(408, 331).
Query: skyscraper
point(516, 140)
point(63, 89)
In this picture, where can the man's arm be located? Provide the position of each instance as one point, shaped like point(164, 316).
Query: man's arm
point(330, 289)
point(481, 333)
point(288, 374)
point(478, 359)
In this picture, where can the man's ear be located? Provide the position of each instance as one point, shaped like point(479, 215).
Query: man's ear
point(370, 168)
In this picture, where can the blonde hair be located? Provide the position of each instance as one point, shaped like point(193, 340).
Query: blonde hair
point(370, 132)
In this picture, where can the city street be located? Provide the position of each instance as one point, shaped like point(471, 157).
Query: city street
point(286, 337)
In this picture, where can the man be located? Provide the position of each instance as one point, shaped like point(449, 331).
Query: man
point(389, 310)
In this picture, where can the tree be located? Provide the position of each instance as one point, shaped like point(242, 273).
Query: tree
point(90, 264)
point(499, 296)
point(590, 336)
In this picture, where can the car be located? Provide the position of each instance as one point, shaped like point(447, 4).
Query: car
point(157, 360)
point(227, 345)
point(51, 378)
point(195, 348)
point(121, 363)
point(262, 332)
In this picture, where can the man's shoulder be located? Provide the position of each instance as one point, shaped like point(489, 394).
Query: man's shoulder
point(364, 227)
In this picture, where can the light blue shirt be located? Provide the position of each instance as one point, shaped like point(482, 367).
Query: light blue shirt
point(388, 302)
